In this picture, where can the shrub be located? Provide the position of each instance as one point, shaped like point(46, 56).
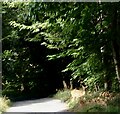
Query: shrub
point(63, 95)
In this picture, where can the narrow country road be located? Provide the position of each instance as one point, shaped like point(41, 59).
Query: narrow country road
point(39, 105)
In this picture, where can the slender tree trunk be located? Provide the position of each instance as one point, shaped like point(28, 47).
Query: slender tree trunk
point(71, 84)
point(103, 51)
point(107, 67)
point(103, 61)
point(64, 84)
point(115, 43)
point(116, 56)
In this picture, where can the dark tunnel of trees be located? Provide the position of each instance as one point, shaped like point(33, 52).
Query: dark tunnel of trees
point(51, 46)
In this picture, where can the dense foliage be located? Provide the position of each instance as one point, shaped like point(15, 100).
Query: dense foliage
point(45, 44)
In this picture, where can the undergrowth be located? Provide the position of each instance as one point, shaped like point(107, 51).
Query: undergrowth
point(4, 104)
point(92, 102)
point(63, 95)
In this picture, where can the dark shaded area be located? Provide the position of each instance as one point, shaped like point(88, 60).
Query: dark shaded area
point(37, 76)
point(88, 40)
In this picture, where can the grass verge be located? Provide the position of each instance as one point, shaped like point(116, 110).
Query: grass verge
point(93, 102)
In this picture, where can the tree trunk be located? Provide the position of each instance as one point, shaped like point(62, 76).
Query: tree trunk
point(64, 84)
point(115, 41)
point(104, 53)
point(116, 56)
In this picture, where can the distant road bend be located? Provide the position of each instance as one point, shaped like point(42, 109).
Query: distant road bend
point(39, 105)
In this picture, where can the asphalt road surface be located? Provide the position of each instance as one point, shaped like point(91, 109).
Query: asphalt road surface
point(39, 105)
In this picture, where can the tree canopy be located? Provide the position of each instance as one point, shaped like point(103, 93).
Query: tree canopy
point(47, 43)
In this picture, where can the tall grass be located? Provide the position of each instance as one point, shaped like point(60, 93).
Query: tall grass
point(4, 104)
